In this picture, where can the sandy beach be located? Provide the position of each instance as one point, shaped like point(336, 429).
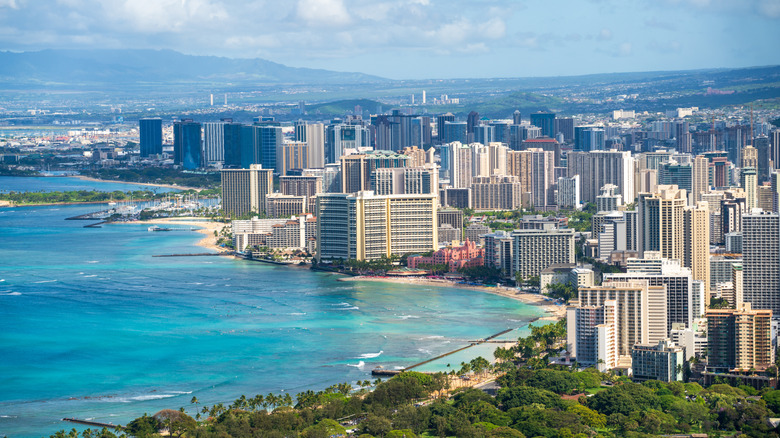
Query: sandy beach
point(554, 312)
point(170, 186)
point(207, 228)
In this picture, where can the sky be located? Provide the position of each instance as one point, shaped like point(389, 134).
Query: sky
point(417, 39)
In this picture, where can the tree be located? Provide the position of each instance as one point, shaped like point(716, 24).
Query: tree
point(375, 425)
point(145, 426)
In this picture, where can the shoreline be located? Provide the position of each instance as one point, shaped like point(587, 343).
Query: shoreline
point(205, 227)
point(167, 186)
point(553, 311)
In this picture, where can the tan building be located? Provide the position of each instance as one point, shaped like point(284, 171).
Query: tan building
point(697, 242)
point(291, 155)
point(497, 192)
point(365, 226)
point(308, 186)
point(700, 178)
point(244, 190)
point(739, 339)
point(519, 165)
point(418, 157)
point(356, 169)
point(280, 206)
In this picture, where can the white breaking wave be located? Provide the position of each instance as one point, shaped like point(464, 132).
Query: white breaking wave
point(90, 276)
point(12, 294)
point(94, 261)
point(45, 281)
point(360, 365)
point(408, 316)
point(369, 355)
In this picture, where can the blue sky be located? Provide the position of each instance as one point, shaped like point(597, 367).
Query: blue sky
point(416, 39)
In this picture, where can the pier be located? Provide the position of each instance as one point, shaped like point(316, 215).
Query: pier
point(390, 373)
point(93, 423)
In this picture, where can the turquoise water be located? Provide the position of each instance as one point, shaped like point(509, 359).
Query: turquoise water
point(93, 326)
point(66, 183)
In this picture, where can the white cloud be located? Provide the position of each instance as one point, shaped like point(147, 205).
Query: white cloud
point(327, 13)
point(769, 8)
point(9, 4)
point(604, 35)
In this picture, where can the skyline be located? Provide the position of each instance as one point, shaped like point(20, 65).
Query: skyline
point(417, 39)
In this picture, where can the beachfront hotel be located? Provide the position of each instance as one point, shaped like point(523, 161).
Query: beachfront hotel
point(245, 190)
point(366, 226)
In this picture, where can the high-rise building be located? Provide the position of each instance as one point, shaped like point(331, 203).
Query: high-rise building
point(472, 121)
point(314, 136)
point(545, 121)
point(594, 332)
point(441, 119)
point(739, 339)
point(536, 250)
point(764, 157)
point(460, 165)
point(748, 179)
point(673, 173)
point(214, 143)
point(405, 181)
point(233, 145)
point(356, 169)
point(150, 131)
point(598, 168)
point(700, 181)
point(696, 242)
point(565, 126)
point(497, 192)
point(608, 199)
point(365, 226)
point(517, 118)
point(291, 155)
point(244, 190)
point(568, 195)
point(542, 178)
point(453, 131)
point(341, 136)
point(308, 186)
point(589, 138)
point(761, 260)
point(271, 138)
point(661, 221)
point(498, 251)
point(187, 145)
point(660, 271)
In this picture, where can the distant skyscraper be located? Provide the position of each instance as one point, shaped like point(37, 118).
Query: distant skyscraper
point(517, 118)
point(150, 136)
point(589, 138)
point(454, 131)
point(440, 120)
point(231, 138)
point(472, 121)
point(661, 220)
point(565, 126)
point(187, 144)
point(545, 121)
point(214, 143)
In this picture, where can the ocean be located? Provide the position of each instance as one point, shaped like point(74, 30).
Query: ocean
point(93, 327)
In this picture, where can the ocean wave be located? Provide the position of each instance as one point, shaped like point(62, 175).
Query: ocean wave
point(359, 365)
point(12, 294)
point(44, 281)
point(348, 308)
point(93, 261)
point(8, 416)
point(90, 276)
point(297, 313)
point(138, 398)
point(369, 355)
point(408, 316)
point(424, 351)
point(433, 337)
point(398, 367)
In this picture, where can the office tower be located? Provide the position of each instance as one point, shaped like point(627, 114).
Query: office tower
point(608, 199)
point(662, 362)
point(640, 308)
point(315, 142)
point(565, 126)
point(761, 260)
point(340, 137)
point(739, 339)
point(365, 226)
point(589, 138)
point(233, 144)
point(517, 118)
point(396, 131)
point(542, 178)
point(536, 250)
point(214, 143)
point(765, 197)
point(483, 134)
point(699, 179)
point(441, 119)
point(187, 144)
point(664, 272)
point(731, 210)
point(308, 186)
point(749, 157)
point(452, 217)
point(568, 195)
point(271, 139)
point(472, 121)
point(697, 242)
point(291, 155)
point(721, 269)
point(763, 157)
point(496, 192)
point(356, 169)
point(405, 181)
point(683, 137)
point(250, 152)
point(545, 121)
point(594, 330)
point(460, 165)
point(748, 179)
point(480, 160)
point(673, 173)
point(661, 221)
point(244, 190)
point(455, 131)
point(150, 131)
point(774, 146)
